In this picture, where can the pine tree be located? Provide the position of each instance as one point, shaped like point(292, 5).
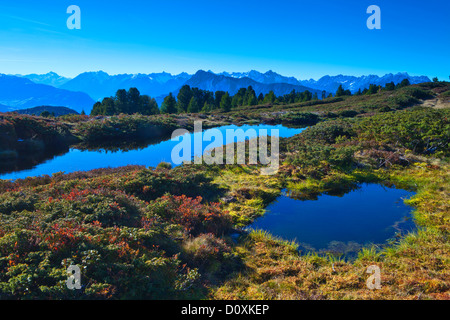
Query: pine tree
point(148, 106)
point(270, 97)
point(169, 105)
point(109, 107)
point(390, 86)
point(97, 109)
point(306, 96)
point(133, 99)
point(250, 97)
point(121, 101)
point(373, 88)
point(252, 100)
point(225, 103)
point(260, 98)
point(207, 107)
point(193, 106)
point(218, 98)
point(340, 91)
point(184, 97)
point(404, 83)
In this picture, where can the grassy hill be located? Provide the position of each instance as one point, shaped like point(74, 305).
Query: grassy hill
point(55, 111)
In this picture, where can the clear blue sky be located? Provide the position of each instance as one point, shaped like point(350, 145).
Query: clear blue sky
point(301, 38)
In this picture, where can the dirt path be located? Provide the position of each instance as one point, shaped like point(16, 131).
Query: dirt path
point(436, 103)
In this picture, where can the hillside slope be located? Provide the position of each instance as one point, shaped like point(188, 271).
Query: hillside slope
point(21, 93)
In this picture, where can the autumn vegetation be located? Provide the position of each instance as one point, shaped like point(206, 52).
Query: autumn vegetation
point(178, 233)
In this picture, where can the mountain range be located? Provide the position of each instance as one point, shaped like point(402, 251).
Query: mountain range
point(22, 93)
point(99, 85)
point(267, 78)
point(330, 83)
point(51, 79)
point(81, 92)
point(4, 108)
point(352, 83)
point(213, 82)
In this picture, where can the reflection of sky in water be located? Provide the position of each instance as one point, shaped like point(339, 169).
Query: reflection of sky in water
point(77, 160)
point(371, 214)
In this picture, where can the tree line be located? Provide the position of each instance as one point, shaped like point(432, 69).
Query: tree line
point(194, 100)
point(391, 86)
point(127, 102)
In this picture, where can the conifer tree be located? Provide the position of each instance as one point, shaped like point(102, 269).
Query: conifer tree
point(169, 105)
point(193, 106)
point(225, 103)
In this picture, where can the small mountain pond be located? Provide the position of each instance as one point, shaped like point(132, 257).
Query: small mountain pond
point(371, 214)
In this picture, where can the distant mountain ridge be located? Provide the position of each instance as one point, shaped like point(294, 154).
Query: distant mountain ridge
point(4, 108)
point(331, 83)
point(99, 85)
point(352, 83)
point(267, 78)
point(51, 79)
point(208, 80)
point(80, 93)
point(21, 93)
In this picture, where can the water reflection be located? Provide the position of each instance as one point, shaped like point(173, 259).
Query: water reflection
point(343, 224)
point(84, 157)
point(29, 161)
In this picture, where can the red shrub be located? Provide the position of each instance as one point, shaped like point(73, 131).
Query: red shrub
point(193, 215)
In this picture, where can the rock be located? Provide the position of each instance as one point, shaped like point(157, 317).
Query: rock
point(229, 199)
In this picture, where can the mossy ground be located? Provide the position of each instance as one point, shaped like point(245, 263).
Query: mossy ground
point(414, 267)
point(390, 149)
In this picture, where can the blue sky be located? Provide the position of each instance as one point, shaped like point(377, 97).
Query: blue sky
point(300, 38)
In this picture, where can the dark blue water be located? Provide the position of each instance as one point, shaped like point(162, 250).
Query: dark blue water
point(369, 215)
point(150, 156)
